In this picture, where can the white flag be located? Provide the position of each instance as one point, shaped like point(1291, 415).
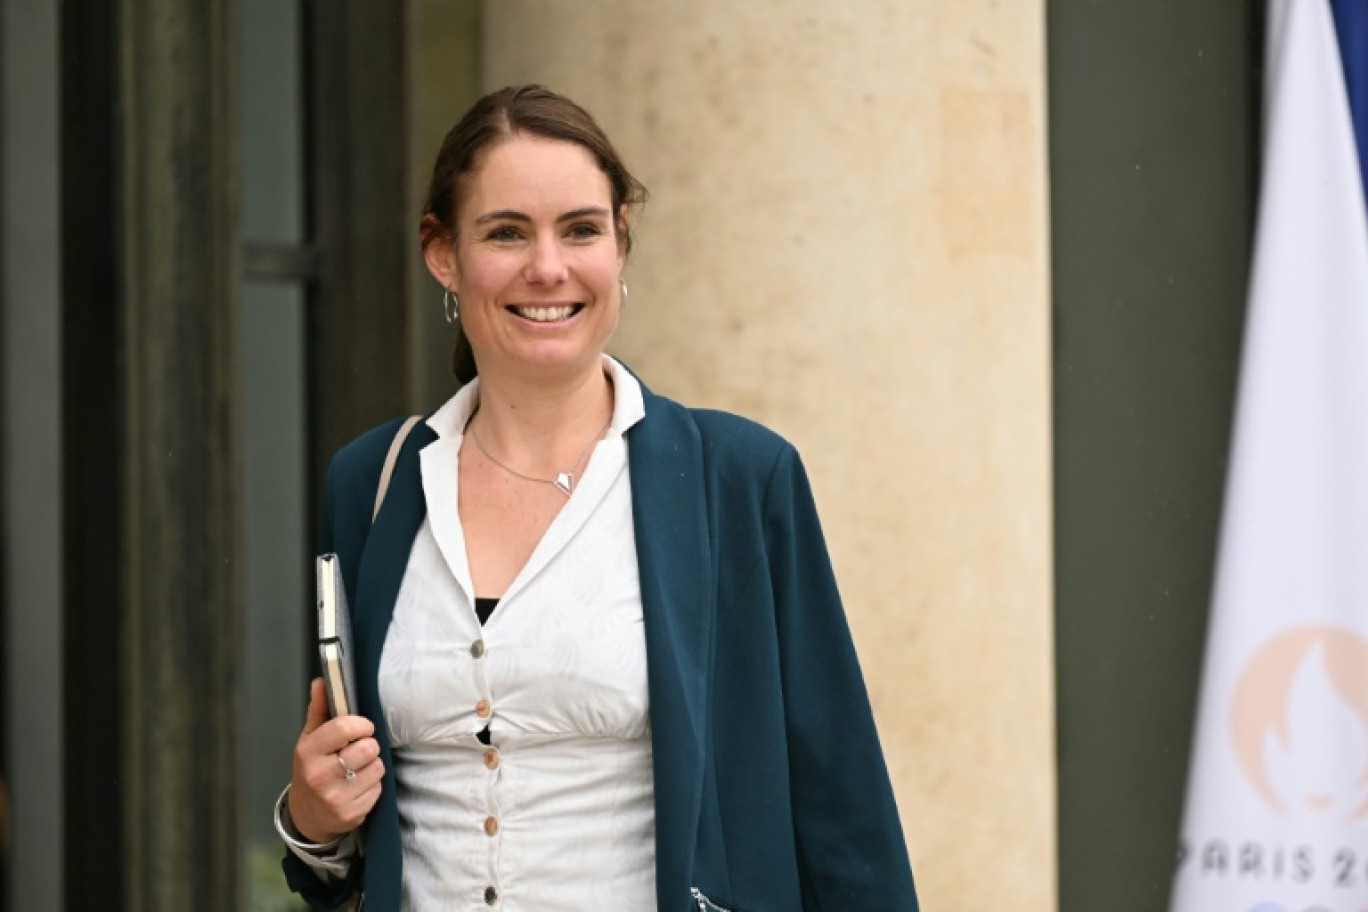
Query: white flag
point(1277, 805)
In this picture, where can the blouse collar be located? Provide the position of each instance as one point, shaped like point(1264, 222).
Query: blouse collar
point(628, 405)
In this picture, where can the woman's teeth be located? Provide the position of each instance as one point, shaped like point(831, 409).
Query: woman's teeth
point(545, 314)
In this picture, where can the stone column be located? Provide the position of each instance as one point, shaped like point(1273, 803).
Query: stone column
point(444, 67)
point(152, 474)
point(181, 475)
point(848, 242)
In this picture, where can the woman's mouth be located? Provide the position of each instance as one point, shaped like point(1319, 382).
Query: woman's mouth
point(554, 313)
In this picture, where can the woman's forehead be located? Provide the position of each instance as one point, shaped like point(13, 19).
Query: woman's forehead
point(532, 173)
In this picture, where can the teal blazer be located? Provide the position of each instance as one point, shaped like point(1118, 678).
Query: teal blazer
point(771, 792)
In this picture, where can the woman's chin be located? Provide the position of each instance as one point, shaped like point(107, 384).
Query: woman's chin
point(552, 358)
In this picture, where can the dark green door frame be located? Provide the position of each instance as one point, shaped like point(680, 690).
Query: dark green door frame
point(1153, 166)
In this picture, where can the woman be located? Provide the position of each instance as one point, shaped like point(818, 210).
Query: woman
point(601, 657)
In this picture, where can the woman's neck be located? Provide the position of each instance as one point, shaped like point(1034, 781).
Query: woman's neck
point(541, 425)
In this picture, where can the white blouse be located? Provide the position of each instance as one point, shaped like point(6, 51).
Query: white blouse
point(557, 812)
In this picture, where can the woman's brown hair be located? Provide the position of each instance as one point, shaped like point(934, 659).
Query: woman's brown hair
point(530, 110)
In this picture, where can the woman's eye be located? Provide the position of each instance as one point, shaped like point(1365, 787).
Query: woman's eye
point(584, 231)
point(503, 233)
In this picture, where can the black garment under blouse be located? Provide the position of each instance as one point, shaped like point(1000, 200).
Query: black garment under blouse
point(484, 607)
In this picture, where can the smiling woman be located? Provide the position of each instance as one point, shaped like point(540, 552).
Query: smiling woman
point(535, 260)
point(602, 661)
point(533, 114)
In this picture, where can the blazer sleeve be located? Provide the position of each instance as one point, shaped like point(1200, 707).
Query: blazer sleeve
point(313, 890)
point(318, 892)
point(850, 843)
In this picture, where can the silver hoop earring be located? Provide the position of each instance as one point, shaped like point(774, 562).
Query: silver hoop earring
point(451, 303)
point(622, 286)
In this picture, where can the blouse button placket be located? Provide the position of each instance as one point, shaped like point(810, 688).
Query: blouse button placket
point(484, 707)
point(492, 760)
point(493, 822)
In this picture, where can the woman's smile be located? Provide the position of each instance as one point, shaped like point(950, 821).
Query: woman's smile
point(545, 313)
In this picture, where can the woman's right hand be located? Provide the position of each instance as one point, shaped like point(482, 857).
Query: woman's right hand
point(324, 803)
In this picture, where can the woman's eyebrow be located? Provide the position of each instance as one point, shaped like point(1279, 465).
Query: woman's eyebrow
point(512, 215)
point(503, 215)
point(585, 212)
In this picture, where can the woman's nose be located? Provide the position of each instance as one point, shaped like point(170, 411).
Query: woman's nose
point(546, 265)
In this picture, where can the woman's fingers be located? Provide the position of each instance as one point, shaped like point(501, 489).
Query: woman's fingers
point(318, 707)
point(365, 801)
point(323, 772)
point(324, 802)
point(330, 735)
point(357, 754)
point(333, 735)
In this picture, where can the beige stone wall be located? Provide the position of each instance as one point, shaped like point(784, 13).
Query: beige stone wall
point(444, 80)
point(847, 241)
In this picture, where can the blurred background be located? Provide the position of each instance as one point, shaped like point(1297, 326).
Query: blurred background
point(982, 261)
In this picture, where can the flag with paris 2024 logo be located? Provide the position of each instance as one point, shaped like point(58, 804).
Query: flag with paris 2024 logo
point(1276, 816)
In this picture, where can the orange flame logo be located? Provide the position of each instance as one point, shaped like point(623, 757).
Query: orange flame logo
point(1280, 687)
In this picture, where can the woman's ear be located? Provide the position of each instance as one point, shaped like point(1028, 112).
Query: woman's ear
point(622, 235)
point(439, 251)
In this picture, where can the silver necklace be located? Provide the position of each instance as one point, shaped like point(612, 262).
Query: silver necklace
point(563, 482)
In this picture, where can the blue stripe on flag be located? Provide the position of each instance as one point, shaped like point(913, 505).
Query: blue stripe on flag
point(1351, 25)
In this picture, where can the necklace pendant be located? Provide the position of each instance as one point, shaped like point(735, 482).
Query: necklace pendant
point(565, 483)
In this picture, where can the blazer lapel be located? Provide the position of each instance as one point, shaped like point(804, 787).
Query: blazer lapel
point(383, 561)
point(669, 506)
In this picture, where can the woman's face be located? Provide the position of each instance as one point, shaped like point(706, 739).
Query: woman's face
point(536, 260)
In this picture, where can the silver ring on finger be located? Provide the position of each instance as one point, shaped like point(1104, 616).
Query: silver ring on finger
point(347, 770)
